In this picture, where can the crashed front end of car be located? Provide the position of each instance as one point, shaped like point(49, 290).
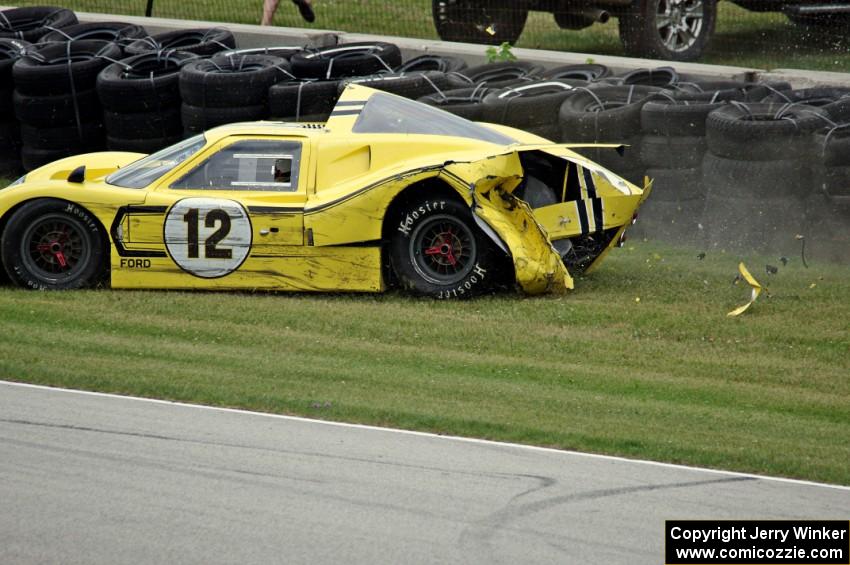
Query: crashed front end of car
point(556, 213)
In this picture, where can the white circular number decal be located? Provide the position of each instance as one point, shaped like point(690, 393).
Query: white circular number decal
point(208, 237)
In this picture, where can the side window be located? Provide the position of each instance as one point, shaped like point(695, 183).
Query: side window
point(248, 165)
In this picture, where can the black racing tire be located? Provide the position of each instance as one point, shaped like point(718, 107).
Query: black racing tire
point(58, 109)
point(676, 185)
point(763, 131)
point(437, 250)
point(820, 96)
point(346, 60)
point(498, 75)
point(833, 146)
point(839, 111)
point(676, 117)
point(296, 99)
point(143, 83)
point(45, 70)
point(142, 145)
point(409, 85)
point(30, 23)
point(231, 81)
point(756, 179)
point(143, 125)
point(89, 135)
point(463, 102)
point(534, 105)
point(204, 42)
point(119, 32)
point(10, 51)
point(431, 62)
point(197, 119)
point(641, 29)
point(52, 244)
point(607, 114)
point(590, 72)
point(663, 77)
point(490, 22)
point(672, 153)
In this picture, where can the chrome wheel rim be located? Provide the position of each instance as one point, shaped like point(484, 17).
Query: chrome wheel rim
point(679, 23)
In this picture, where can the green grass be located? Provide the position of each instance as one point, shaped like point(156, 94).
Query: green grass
point(759, 40)
point(667, 377)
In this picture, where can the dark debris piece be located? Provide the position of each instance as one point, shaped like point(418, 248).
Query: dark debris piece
point(771, 270)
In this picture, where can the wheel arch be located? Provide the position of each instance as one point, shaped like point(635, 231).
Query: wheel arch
point(105, 236)
point(430, 187)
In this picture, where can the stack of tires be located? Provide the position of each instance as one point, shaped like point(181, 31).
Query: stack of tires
point(828, 208)
point(56, 102)
point(10, 138)
point(203, 42)
point(121, 33)
point(318, 73)
point(672, 150)
point(608, 114)
point(141, 101)
point(467, 102)
point(758, 174)
point(30, 24)
point(532, 107)
point(228, 89)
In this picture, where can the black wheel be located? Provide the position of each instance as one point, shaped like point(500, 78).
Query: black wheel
point(437, 250)
point(674, 30)
point(491, 22)
point(51, 244)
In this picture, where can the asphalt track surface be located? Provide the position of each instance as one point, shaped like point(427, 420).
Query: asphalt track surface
point(88, 478)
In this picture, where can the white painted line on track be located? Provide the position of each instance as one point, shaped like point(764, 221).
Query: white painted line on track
point(429, 435)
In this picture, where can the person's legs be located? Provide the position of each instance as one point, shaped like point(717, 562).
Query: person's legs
point(269, 8)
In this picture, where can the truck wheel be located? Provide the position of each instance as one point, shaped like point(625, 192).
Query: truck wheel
point(479, 21)
point(675, 30)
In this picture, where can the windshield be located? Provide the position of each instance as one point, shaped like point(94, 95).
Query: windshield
point(385, 113)
point(145, 171)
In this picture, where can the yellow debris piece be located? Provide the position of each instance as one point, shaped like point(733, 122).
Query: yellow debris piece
point(755, 286)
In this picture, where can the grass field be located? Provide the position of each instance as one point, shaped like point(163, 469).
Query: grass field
point(641, 360)
point(759, 40)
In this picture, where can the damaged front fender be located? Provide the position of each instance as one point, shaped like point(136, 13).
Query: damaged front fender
point(538, 267)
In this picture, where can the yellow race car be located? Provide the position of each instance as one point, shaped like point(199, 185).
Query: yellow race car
point(387, 192)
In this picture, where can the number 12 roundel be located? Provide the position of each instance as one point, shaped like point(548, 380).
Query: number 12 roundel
point(208, 237)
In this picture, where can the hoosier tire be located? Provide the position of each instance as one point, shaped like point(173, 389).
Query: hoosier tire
point(52, 244)
point(437, 250)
